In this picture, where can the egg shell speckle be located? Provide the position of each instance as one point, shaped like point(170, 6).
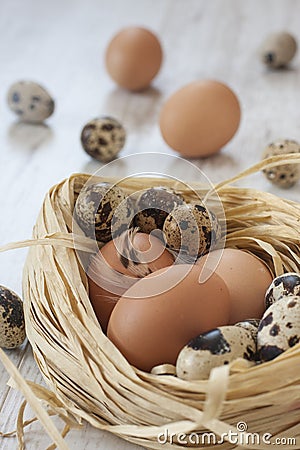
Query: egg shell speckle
point(103, 138)
point(30, 101)
point(250, 325)
point(12, 325)
point(281, 286)
point(153, 206)
point(192, 229)
point(286, 175)
point(214, 348)
point(279, 328)
point(101, 208)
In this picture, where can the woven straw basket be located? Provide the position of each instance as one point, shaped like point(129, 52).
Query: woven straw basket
point(89, 379)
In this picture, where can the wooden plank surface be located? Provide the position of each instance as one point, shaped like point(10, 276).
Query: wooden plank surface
point(61, 44)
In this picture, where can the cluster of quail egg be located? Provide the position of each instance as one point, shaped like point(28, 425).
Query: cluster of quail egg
point(255, 340)
point(104, 211)
point(188, 228)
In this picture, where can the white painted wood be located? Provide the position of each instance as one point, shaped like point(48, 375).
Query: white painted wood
point(61, 44)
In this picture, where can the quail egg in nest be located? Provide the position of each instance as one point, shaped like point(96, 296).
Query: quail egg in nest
point(282, 286)
point(191, 229)
point(217, 347)
point(102, 211)
point(279, 329)
point(153, 206)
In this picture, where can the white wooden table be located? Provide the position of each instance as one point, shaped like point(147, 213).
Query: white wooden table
point(61, 44)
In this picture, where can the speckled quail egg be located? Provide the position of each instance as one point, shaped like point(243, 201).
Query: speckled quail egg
point(191, 229)
point(30, 101)
point(12, 325)
point(286, 175)
point(153, 206)
point(212, 349)
point(282, 286)
point(103, 211)
point(279, 328)
point(103, 138)
point(250, 325)
point(278, 49)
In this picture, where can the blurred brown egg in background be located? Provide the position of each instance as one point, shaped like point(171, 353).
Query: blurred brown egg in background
point(200, 118)
point(133, 58)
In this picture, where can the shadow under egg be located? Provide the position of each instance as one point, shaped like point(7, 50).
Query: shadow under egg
point(27, 136)
point(111, 169)
point(135, 109)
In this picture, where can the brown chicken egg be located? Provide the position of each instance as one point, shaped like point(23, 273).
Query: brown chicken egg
point(133, 58)
point(247, 279)
point(200, 118)
point(161, 313)
point(107, 270)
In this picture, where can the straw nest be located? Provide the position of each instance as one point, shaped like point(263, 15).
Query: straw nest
point(88, 377)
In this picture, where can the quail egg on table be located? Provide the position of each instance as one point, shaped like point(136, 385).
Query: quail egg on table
point(12, 325)
point(278, 49)
point(103, 138)
point(153, 207)
point(30, 101)
point(103, 210)
point(286, 175)
point(279, 328)
point(215, 348)
point(282, 286)
point(191, 229)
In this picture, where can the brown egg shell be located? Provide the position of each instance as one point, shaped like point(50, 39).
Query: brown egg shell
point(133, 58)
point(106, 283)
point(150, 330)
point(247, 279)
point(200, 118)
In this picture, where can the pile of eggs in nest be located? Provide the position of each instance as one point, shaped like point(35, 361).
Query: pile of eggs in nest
point(144, 285)
point(160, 299)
